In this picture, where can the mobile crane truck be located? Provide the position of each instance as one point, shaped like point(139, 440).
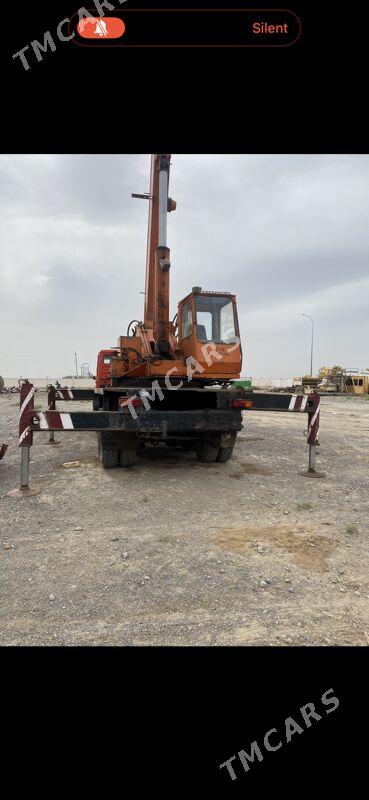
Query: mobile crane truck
point(171, 382)
point(168, 378)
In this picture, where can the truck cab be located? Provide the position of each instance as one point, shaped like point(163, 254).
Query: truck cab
point(104, 358)
point(208, 331)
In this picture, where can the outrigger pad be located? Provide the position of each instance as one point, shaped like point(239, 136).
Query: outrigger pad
point(23, 491)
point(312, 474)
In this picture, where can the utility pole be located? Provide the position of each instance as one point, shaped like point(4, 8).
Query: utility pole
point(312, 342)
point(75, 358)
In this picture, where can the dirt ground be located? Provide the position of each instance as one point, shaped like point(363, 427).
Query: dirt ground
point(173, 552)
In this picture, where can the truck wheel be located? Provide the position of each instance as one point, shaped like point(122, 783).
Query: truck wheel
point(127, 458)
point(225, 453)
point(206, 452)
point(108, 455)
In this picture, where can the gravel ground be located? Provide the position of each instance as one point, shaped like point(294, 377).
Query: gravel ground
point(174, 552)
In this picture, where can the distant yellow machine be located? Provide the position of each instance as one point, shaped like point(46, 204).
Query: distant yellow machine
point(346, 381)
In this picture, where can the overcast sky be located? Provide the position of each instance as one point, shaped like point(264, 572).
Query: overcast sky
point(288, 234)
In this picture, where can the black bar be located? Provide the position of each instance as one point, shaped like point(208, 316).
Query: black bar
point(78, 394)
point(274, 402)
point(261, 401)
point(197, 28)
point(146, 383)
point(152, 421)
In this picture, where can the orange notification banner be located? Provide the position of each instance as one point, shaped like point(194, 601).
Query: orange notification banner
point(101, 28)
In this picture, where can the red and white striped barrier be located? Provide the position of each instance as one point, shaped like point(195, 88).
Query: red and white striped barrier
point(64, 394)
point(298, 402)
point(26, 410)
point(313, 434)
point(314, 418)
point(51, 397)
point(54, 420)
point(26, 402)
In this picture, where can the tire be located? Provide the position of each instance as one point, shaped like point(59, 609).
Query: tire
point(225, 453)
point(96, 405)
point(108, 456)
point(127, 458)
point(206, 452)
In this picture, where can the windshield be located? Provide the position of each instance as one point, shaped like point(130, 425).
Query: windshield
point(215, 319)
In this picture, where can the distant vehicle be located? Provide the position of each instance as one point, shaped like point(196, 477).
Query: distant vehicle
point(348, 381)
point(304, 384)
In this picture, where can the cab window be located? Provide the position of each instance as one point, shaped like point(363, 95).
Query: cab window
point(187, 320)
point(215, 319)
point(204, 325)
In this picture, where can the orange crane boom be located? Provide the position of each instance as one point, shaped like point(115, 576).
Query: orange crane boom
point(158, 255)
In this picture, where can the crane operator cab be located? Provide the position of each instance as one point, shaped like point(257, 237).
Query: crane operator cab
point(208, 331)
